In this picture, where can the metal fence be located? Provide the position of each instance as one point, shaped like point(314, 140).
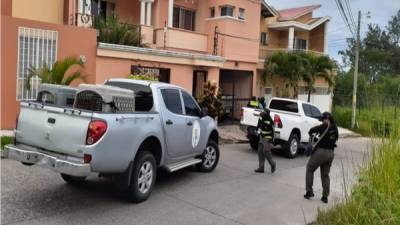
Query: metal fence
point(232, 107)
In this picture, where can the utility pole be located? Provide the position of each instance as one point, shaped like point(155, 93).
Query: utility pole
point(354, 102)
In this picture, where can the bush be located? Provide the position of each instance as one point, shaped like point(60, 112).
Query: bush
point(375, 199)
point(5, 140)
point(142, 77)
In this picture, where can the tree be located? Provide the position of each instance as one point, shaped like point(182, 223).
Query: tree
point(318, 66)
point(290, 66)
point(379, 50)
point(57, 74)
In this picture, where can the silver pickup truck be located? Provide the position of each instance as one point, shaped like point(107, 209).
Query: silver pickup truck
point(167, 129)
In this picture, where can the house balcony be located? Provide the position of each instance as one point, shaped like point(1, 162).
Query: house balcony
point(180, 39)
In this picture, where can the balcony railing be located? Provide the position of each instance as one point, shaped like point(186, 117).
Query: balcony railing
point(181, 39)
point(83, 20)
point(264, 53)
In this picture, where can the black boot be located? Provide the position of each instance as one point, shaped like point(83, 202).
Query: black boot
point(309, 195)
point(324, 200)
point(273, 168)
point(259, 170)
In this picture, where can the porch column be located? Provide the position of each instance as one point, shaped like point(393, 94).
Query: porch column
point(326, 37)
point(148, 14)
point(291, 38)
point(142, 12)
point(170, 12)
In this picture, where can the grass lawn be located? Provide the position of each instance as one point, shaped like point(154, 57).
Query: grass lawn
point(375, 200)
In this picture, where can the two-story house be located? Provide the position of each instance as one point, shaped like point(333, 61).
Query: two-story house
point(186, 43)
point(294, 29)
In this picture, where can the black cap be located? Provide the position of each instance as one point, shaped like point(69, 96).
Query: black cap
point(326, 115)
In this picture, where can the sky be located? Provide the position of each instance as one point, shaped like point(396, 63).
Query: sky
point(380, 11)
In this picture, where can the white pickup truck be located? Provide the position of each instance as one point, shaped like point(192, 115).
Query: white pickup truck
point(293, 119)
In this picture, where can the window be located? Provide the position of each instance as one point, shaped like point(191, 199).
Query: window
point(184, 18)
point(315, 113)
point(36, 47)
point(172, 100)
point(191, 107)
point(300, 44)
point(307, 110)
point(227, 10)
point(283, 105)
point(212, 12)
point(268, 90)
point(264, 38)
point(242, 15)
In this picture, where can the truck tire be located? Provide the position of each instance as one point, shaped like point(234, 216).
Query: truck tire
point(292, 146)
point(72, 179)
point(143, 177)
point(254, 143)
point(210, 157)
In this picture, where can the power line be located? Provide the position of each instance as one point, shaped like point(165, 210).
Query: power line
point(344, 16)
point(350, 12)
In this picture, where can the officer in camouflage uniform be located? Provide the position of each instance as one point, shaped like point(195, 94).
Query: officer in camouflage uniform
point(322, 156)
point(266, 127)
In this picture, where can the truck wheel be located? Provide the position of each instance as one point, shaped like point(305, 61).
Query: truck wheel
point(143, 177)
point(72, 179)
point(210, 157)
point(292, 146)
point(254, 143)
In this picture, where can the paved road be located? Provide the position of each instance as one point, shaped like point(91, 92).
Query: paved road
point(232, 194)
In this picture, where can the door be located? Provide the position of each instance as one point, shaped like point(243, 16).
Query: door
point(195, 138)
point(199, 79)
point(174, 122)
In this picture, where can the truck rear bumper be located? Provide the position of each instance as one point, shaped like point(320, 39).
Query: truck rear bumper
point(30, 156)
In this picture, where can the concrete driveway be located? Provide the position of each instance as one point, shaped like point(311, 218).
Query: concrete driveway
point(232, 194)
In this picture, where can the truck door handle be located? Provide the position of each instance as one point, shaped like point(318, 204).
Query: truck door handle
point(189, 123)
point(51, 120)
point(169, 122)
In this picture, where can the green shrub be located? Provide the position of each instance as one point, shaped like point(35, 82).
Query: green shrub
point(375, 200)
point(142, 77)
point(5, 140)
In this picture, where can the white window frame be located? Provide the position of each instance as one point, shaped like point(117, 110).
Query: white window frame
point(35, 47)
point(227, 6)
point(242, 14)
point(264, 39)
point(296, 47)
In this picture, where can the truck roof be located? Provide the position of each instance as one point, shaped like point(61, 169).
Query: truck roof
point(155, 84)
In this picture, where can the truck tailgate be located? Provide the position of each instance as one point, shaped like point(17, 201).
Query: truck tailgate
point(52, 128)
point(249, 116)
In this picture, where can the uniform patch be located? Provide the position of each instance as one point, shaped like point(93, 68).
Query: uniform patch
point(195, 133)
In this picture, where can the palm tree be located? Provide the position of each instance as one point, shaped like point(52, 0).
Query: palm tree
point(288, 65)
point(57, 74)
point(319, 66)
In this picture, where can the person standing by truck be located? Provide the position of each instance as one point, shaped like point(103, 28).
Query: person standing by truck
point(323, 155)
point(253, 103)
point(266, 129)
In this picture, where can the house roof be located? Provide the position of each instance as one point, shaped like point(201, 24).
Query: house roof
point(294, 13)
point(310, 25)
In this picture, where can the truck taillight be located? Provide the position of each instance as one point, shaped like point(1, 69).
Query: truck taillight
point(96, 130)
point(277, 121)
point(241, 114)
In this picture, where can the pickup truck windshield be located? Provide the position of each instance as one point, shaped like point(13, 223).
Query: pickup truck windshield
point(283, 105)
point(143, 94)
